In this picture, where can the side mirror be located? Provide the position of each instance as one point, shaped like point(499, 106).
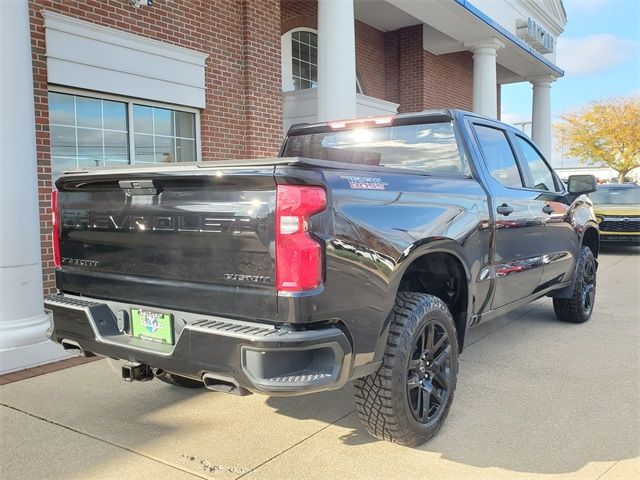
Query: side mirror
point(579, 184)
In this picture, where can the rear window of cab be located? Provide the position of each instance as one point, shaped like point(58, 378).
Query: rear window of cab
point(431, 148)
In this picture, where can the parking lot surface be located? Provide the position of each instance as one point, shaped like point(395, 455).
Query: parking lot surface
point(535, 399)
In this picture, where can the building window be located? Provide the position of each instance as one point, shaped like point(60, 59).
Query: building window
point(304, 59)
point(163, 135)
point(94, 132)
point(86, 132)
point(300, 60)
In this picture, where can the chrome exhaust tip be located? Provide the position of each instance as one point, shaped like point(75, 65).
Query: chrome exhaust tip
point(73, 345)
point(218, 383)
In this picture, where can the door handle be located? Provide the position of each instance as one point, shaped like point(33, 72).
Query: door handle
point(505, 210)
point(548, 209)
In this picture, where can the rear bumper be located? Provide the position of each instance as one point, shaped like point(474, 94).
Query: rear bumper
point(258, 357)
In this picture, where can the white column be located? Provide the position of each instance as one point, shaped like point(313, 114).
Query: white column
point(22, 318)
point(485, 95)
point(336, 60)
point(541, 114)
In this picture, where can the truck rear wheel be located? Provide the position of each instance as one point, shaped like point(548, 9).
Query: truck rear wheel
point(407, 400)
point(578, 308)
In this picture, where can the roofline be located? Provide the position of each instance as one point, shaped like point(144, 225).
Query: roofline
point(564, 10)
point(508, 35)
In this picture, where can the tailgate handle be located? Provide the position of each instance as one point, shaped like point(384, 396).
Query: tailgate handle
point(139, 187)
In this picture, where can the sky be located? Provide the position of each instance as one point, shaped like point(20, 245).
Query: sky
point(599, 52)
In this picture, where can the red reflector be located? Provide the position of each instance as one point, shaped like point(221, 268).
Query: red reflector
point(298, 254)
point(361, 122)
point(55, 230)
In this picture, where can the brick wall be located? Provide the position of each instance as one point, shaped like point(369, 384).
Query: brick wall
point(297, 14)
point(411, 71)
point(392, 66)
point(262, 77)
point(418, 79)
point(243, 114)
point(448, 80)
point(370, 60)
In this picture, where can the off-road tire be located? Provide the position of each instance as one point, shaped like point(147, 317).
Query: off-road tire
point(383, 398)
point(578, 308)
point(179, 381)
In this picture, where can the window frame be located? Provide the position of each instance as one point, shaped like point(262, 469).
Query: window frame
point(522, 159)
point(506, 133)
point(130, 102)
point(523, 165)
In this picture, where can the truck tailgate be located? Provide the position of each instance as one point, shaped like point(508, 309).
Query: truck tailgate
point(195, 239)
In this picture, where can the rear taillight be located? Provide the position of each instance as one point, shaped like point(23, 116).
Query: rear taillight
point(55, 230)
point(298, 254)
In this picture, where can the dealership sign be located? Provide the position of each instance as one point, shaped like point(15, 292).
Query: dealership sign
point(536, 36)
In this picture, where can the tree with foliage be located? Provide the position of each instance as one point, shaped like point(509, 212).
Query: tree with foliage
point(604, 133)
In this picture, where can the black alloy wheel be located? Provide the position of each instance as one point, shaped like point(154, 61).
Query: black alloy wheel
point(408, 399)
point(429, 372)
point(588, 286)
point(578, 307)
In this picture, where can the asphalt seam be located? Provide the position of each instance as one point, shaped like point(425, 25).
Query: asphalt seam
point(295, 445)
point(607, 470)
point(29, 414)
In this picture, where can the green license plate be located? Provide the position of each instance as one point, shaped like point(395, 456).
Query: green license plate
point(153, 326)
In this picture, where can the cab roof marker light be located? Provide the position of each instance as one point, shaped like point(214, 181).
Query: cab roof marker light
point(383, 120)
point(368, 121)
point(337, 125)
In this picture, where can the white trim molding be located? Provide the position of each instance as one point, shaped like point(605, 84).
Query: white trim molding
point(84, 55)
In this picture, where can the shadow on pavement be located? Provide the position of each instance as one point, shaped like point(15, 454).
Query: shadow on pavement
point(534, 397)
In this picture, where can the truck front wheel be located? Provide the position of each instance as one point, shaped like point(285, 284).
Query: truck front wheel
point(407, 400)
point(578, 308)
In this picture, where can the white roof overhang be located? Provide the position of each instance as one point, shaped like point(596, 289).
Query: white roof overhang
point(450, 25)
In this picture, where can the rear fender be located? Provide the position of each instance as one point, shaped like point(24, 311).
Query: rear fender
point(411, 254)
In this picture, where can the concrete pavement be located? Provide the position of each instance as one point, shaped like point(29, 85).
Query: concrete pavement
point(536, 398)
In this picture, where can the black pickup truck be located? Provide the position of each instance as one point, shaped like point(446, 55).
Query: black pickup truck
point(363, 253)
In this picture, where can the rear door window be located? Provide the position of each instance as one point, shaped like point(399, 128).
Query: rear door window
point(498, 156)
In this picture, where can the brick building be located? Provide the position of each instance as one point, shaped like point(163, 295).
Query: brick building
point(122, 82)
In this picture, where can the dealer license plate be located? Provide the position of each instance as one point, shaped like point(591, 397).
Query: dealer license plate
point(153, 326)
